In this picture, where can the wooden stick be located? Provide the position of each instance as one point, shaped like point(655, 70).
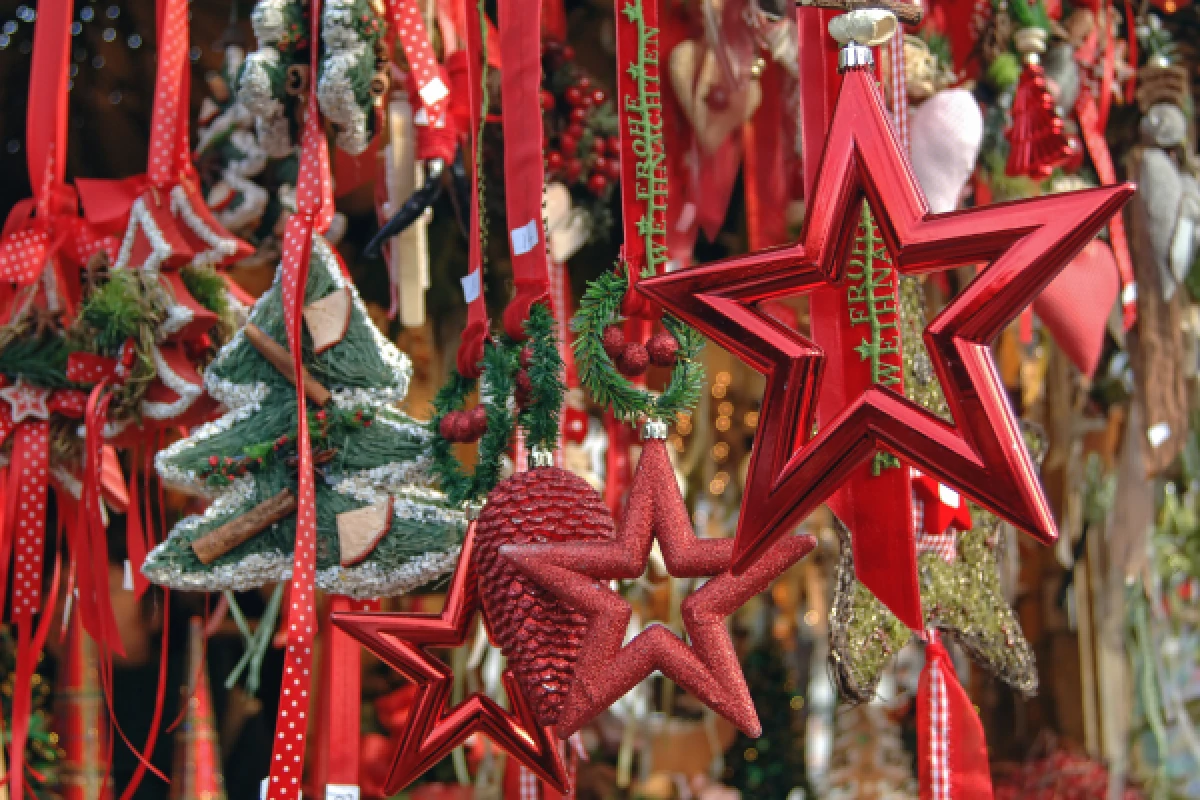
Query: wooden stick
point(281, 359)
point(908, 13)
point(219, 541)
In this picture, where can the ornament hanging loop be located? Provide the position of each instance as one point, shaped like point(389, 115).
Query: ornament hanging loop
point(858, 31)
point(654, 429)
point(540, 457)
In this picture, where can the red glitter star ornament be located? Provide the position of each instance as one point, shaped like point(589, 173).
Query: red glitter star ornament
point(791, 471)
point(433, 729)
point(577, 573)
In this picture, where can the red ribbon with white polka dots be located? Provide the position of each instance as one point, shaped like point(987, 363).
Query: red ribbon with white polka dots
point(408, 25)
point(314, 211)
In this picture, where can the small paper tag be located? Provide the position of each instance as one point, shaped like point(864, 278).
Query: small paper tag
point(262, 788)
point(128, 584)
point(948, 496)
point(337, 791)
point(687, 215)
point(525, 238)
point(421, 117)
point(472, 285)
point(1157, 434)
point(434, 92)
point(1129, 294)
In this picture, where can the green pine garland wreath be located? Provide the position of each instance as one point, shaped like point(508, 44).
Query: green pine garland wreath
point(600, 308)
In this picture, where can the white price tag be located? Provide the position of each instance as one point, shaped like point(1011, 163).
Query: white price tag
point(262, 789)
point(472, 285)
point(128, 582)
point(948, 496)
point(525, 238)
point(337, 791)
point(431, 94)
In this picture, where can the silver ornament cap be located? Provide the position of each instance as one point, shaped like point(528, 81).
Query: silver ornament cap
point(654, 429)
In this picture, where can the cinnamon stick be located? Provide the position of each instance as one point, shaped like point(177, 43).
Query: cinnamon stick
point(908, 13)
point(281, 359)
point(219, 541)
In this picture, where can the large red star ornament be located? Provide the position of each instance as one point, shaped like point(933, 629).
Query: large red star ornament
point(433, 729)
point(1024, 245)
point(578, 573)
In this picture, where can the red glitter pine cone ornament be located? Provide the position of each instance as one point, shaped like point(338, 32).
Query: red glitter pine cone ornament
point(539, 635)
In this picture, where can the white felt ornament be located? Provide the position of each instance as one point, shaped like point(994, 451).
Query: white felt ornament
point(946, 132)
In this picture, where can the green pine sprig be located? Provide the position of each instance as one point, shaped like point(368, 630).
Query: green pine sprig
point(601, 307)
point(540, 418)
point(41, 360)
point(499, 367)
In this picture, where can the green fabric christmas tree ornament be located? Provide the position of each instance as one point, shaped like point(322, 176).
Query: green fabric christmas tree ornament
point(381, 527)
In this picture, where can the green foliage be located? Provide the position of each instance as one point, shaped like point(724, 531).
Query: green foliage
point(41, 360)
point(541, 416)
point(499, 367)
point(118, 310)
point(208, 287)
point(1004, 72)
point(599, 308)
point(1029, 14)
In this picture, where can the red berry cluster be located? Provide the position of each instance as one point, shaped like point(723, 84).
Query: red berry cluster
point(224, 469)
point(600, 165)
point(633, 359)
point(464, 426)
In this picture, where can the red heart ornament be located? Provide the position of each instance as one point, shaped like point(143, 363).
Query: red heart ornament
point(1076, 304)
point(539, 635)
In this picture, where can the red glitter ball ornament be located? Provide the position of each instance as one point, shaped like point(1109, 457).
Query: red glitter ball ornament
point(633, 360)
point(662, 349)
point(524, 387)
point(539, 635)
point(478, 418)
point(446, 427)
point(461, 427)
point(613, 341)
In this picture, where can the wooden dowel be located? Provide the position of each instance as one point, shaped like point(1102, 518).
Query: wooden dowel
point(281, 359)
point(908, 13)
point(219, 541)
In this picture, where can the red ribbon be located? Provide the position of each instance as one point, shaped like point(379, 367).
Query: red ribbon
point(952, 754)
point(837, 330)
point(470, 348)
point(643, 153)
point(408, 24)
point(524, 170)
point(314, 212)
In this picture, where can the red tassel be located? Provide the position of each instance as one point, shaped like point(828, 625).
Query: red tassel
point(1037, 140)
point(952, 754)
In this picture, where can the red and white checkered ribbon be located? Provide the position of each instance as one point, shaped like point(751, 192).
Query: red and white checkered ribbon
point(409, 26)
point(939, 732)
point(314, 204)
point(942, 544)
